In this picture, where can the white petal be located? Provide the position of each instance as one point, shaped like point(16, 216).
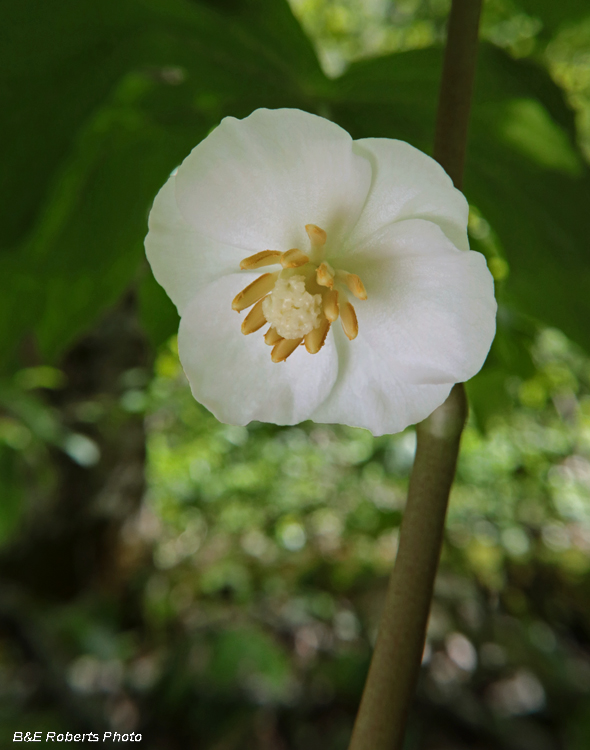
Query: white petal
point(408, 184)
point(368, 394)
point(232, 374)
point(430, 311)
point(255, 183)
point(182, 260)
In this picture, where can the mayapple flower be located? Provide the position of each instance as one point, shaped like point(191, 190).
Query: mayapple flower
point(352, 255)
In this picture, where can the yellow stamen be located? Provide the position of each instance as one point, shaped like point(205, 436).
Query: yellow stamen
point(305, 296)
point(271, 337)
point(315, 339)
point(254, 291)
point(265, 258)
point(349, 320)
point(293, 258)
point(316, 235)
point(354, 283)
point(284, 349)
point(330, 305)
point(255, 319)
point(325, 275)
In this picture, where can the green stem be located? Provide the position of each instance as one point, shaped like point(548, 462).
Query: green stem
point(391, 682)
point(456, 88)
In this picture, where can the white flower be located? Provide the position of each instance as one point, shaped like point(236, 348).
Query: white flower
point(373, 220)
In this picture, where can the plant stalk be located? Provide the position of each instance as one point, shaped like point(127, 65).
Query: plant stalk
point(456, 88)
point(393, 674)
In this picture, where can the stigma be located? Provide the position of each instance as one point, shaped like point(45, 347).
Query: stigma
point(302, 300)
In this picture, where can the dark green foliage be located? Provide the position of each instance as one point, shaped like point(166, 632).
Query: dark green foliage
point(553, 15)
point(101, 102)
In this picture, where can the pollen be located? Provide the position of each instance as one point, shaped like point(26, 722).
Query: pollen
point(302, 299)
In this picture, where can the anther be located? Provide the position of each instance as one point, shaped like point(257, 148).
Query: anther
point(265, 258)
point(325, 275)
point(284, 349)
point(316, 235)
point(255, 319)
point(271, 337)
point(349, 320)
point(293, 258)
point(354, 283)
point(330, 304)
point(254, 291)
point(315, 339)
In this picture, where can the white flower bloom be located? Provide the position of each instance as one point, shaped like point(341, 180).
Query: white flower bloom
point(284, 213)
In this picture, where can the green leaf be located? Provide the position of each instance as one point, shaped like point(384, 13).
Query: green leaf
point(89, 242)
point(61, 59)
point(555, 14)
point(509, 356)
point(121, 92)
point(157, 313)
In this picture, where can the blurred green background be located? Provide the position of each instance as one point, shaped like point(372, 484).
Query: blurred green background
point(218, 587)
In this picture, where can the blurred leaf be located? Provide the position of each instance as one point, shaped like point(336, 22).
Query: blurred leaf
point(11, 490)
point(250, 657)
point(89, 242)
point(283, 40)
point(510, 355)
point(60, 61)
point(487, 394)
point(555, 14)
point(156, 311)
point(121, 91)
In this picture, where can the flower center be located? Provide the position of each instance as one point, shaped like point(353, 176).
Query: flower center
point(301, 301)
point(290, 309)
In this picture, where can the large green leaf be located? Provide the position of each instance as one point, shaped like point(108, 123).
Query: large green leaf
point(105, 99)
point(60, 60)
